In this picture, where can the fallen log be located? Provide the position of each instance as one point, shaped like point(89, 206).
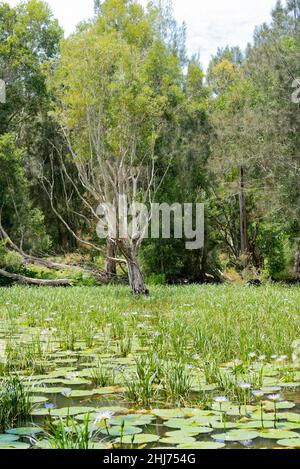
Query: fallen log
point(34, 281)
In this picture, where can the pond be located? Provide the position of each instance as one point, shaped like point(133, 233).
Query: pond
point(133, 385)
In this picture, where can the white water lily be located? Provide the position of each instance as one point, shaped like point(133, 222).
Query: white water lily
point(274, 397)
point(220, 399)
point(245, 386)
point(261, 358)
point(103, 417)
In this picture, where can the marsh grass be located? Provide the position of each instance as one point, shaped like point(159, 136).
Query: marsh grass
point(69, 434)
point(140, 386)
point(176, 382)
point(156, 337)
point(15, 406)
point(102, 375)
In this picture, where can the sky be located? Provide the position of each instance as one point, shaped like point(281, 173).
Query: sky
point(210, 23)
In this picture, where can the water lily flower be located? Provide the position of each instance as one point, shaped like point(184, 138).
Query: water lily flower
point(274, 397)
point(261, 358)
point(283, 357)
point(245, 386)
point(103, 417)
point(188, 367)
point(220, 399)
point(49, 406)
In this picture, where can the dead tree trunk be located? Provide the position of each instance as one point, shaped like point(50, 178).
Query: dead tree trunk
point(111, 265)
point(243, 214)
point(297, 263)
point(135, 276)
point(34, 281)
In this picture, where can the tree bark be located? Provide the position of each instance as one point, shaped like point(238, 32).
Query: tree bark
point(297, 263)
point(243, 214)
point(34, 281)
point(111, 266)
point(135, 276)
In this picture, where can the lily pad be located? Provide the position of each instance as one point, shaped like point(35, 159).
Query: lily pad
point(190, 422)
point(142, 438)
point(290, 416)
point(170, 413)
point(6, 437)
point(38, 399)
point(132, 419)
point(278, 434)
point(279, 405)
point(203, 445)
point(81, 393)
point(109, 390)
point(53, 390)
point(290, 442)
point(24, 431)
point(14, 445)
point(189, 431)
point(64, 412)
point(177, 440)
point(118, 431)
point(236, 435)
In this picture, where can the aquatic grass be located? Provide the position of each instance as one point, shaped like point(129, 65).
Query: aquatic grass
point(69, 434)
point(15, 405)
point(140, 386)
point(177, 382)
point(102, 375)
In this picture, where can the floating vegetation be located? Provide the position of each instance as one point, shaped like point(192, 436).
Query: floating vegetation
point(112, 371)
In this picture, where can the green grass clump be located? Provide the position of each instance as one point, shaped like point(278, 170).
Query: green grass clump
point(15, 406)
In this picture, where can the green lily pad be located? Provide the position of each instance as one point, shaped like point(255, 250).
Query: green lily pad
point(217, 425)
point(203, 445)
point(142, 438)
point(177, 440)
point(290, 442)
point(236, 435)
point(170, 413)
point(199, 421)
point(109, 390)
point(118, 431)
point(24, 431)
point(270, 389)
point(14, 445)
point(99, 446)
point(189, 431)
point(81, 393)
point(53, 390)
point(278, 434)
point(64, 412)
point(132, 419)
point(290, 385)
point(279, 405)
point(6, 437)
point(266, 416)
point(38, 399)
point(290, 416)
point(43, 444)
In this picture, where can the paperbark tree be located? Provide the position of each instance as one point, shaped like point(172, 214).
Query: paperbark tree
point(116, 82)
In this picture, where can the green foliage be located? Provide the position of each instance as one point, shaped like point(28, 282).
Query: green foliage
point(271, 242)
point(15, 406)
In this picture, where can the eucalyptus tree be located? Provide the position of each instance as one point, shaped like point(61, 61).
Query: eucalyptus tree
point(116, 82)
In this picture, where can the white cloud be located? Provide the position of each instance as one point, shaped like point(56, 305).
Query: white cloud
point(210, 23)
